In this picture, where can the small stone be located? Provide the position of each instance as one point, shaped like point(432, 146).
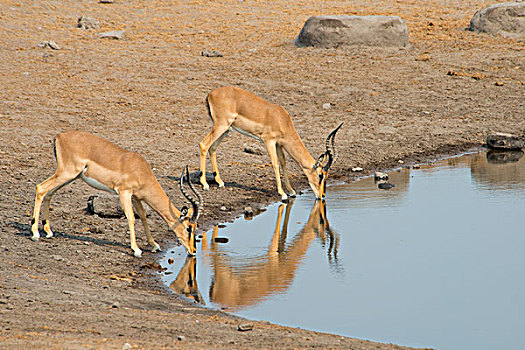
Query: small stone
point(221, 240)
point(400, 161)
point(416, 166)
point(248, 211)
point(126, 346)
point(114, 34)
point(115, 305)
point(57, 257)
point(327, 106)
point(504, 141)
point(181, 338)
point(87, 23)
point(423, 57)
point(380, 176)
point(106, 1)
point(357, 169)
point(170, 261)
point(53, 45)
point(385, 186)
point(211, 53)
point(223, 208)
point(243, 327)
point(499, 83)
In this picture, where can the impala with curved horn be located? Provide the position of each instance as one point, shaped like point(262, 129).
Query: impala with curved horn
point(231, 107)
point(106, 166)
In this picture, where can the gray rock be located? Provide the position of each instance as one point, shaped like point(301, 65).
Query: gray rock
point(327, 105)
point(335, 31)
point(503, 141)
point(87, 23)
point(243, 327)
point(50, 44)
point(248, 211)
point(211, 53)
point(385, 186)
point(114, 34)
point(507, 19)
point(380, 176)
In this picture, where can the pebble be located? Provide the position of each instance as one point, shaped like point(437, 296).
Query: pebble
point(221, 240)
point(357, 169)
point(243, 327)
point(211, 53)
point(248, 211)
point(181, 338)
point(385, 186)
point(380, 176)
point(416, 166)
point(114, 34)
point(223, 208)
point(170, 261)
point(327, 106)
point(126, 346)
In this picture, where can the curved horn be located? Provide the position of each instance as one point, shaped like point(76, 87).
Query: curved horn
point(194, 204)
point(196, 212)
point(330, 142)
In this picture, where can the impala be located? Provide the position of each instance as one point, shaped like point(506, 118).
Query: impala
point(231, 107)
point(106, 166)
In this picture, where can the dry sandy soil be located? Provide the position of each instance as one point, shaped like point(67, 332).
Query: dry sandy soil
point(84, 289)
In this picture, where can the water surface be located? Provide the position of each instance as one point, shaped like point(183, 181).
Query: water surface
point(437, 261)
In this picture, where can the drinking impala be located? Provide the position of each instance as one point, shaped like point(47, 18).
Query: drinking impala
point(231, 107)
point(106, 166)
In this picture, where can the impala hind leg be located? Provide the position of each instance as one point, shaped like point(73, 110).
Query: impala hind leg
point(282, 160)
point(44, 192)
point(125, 202)
point(210, 144)
point(142, 214)
point(272, 151)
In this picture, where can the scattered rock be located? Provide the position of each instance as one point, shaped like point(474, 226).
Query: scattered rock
point(106, 1)
point(115, 305)
point(357, 169)
point(252, 150)
point(385, 186)
point(243, 327)
point(223, 208)
point(87, 23)
point(126, 346)
point(248, 211)
point(335, 31)
point(327, 106)
point(503, 141)
point(501, 19)
point(170, 261)
point(181, 338)
point(221, 240)
point(114, 34)
point(400, 161)
point(416, 166)
point(499, 83)
point(423, 57)
point(50, 44)
point(211, 53)
point(380, 176)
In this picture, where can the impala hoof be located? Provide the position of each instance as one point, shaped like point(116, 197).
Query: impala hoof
point(155, 248)
point(35, 238)
point(138, 253)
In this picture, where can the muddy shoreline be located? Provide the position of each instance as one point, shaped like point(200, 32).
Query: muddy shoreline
point(145, 92)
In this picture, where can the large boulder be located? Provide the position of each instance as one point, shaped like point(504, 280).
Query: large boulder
point(507, 19)
point(335, 31)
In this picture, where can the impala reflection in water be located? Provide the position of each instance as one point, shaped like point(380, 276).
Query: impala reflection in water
point(239, 281)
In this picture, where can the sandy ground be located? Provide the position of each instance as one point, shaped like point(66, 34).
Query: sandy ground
point(84, 289)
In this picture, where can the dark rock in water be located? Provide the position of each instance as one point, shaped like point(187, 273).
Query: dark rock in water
point(502, 141)
point(248, 211)
point(385, 186)
point(502, 157)
point(505, 19)
point(335, 31)
point(221, 240)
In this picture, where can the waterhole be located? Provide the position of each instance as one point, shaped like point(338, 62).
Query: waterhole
point(436, 261)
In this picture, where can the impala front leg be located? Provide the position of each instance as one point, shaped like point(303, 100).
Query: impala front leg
point(125, 201)
point(272, 151)
point(142, 214)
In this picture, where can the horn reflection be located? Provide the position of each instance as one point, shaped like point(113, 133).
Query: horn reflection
point(186, 282)
point(236, 286)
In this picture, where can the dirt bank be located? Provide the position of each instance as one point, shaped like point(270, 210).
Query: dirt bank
point(84, 288)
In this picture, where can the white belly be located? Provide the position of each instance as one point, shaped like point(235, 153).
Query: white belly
point(94, 183)
point(246, 133)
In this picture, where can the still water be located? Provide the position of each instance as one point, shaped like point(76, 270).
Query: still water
point(437, 261)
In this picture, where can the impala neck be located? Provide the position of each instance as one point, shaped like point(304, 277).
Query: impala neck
point(297, 150)
point(165, 208)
